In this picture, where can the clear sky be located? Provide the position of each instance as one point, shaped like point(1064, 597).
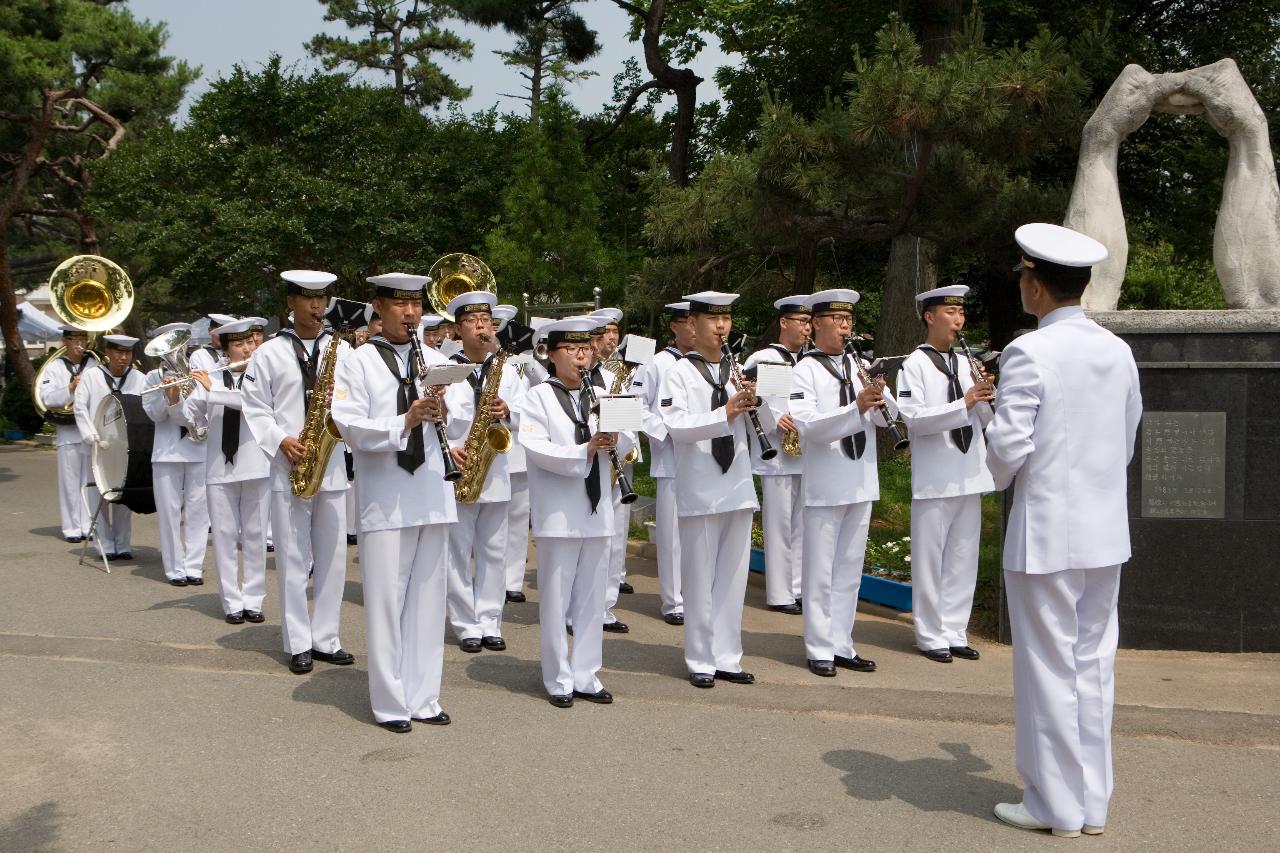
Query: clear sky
point(218, 34)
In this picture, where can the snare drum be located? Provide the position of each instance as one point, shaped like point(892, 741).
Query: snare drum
point(122, 457)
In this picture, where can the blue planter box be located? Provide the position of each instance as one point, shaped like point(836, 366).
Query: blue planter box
point(877, 590)
point(14, 434)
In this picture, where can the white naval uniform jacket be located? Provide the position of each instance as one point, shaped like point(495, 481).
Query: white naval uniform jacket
point(647, 385)
point(204, 358)
point(1066, 417)
point(210, 410)
point(96, 383)
point(170, 444)
point(830, 477)
point(275, 405)
point(938, 467)
point(516, 463)
point(702, 488)
point(460, 398)
point(558, 469)
point(364, 408)
point(783, 463)
point(55, 390)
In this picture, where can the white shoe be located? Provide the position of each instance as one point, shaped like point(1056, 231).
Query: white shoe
point(1090, 829)
point(1016, 814)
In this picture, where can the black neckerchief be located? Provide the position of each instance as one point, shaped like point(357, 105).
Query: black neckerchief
point(852, 445)
point(675, 353)
point(597, 378)
point(75, 369)
point(963, 437)
point(785, 353)
point(721, 447)
point(115, 385)
point(476, 381)
point(307, 364)
point(230, 421)
point(415, 452)
point(580, 415)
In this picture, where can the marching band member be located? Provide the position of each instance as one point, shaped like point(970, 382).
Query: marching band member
point(476, 596)
point(206, 357)
point(405, 507)
point(606, 346)
point(703, 408)
point(178, 479)
point(1065, 423)
point(308, 531)
point(662, 463)
point(782, 514)
point(517, 559)
point(432, 330)
point(946, 412)
point(836, 416)
point(115, 375)
point(572, 519)
point(58, 386)
point(237, 475)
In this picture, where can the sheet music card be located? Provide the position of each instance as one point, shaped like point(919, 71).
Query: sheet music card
point(639, 349)
point(446, 374)
point(620, 413)
point(773, 380)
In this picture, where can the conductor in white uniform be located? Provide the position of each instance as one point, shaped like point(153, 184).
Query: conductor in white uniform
point(1066, 416)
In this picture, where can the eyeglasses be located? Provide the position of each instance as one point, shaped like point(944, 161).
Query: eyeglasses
point(576, 349)
point(802, 319)
point(840, 319)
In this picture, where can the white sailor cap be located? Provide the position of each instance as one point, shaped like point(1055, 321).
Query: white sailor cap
point(608, 315)
point(504, 314)
point(308, 282)
point(571, 330)
point(431, 321)
point(795, 304)
point(677, 310)
point(170, 327)
point(216, 320)
point(951, 294)
point(239, 330)
point(1043, 242)
point(472, 302)
point(836, 299)
point(399, 285)
point(257, 323)
point(73, 332)
point(711, 302)
point(120, 341)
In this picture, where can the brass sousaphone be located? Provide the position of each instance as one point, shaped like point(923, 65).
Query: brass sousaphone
point(454, 275)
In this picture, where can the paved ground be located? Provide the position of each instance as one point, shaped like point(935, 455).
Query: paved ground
point(133, 718)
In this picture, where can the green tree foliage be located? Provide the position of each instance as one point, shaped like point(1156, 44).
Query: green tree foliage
point(402, 38)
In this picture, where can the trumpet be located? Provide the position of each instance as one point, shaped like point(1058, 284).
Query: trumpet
point(624, 484)
point(900, 440)
point(186, 378)
point(767, 450)
point(452, 473)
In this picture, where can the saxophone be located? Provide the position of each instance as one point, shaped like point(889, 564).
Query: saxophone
point(319, 433)
point(486, 438)
point(622, 372)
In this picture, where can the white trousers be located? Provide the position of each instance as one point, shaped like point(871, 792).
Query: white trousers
point(1065, 632)
point(571, 579)
point(309, 534)
point(238, 514)
point(782, 519)
point(73, 464)
point(715, 551)
point(351, 509)
point(667, 532)
point(404, 575)
point(518, 532)
point(944, 568)
point(182, 513)
point(476, 595)
point(115, 521)
point(835, 547)
point(617, 556)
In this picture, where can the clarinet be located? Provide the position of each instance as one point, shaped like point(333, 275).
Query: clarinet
point(900, 440)
point(624, 485)
point(452, 472)
point(975, 369)
point(767, 450)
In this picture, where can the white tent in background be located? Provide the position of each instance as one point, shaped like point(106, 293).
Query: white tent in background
point(35, 325)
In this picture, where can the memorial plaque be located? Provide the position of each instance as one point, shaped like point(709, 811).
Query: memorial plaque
point(1184, 464)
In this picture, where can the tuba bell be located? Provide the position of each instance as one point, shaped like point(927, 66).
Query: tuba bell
point(456, 274)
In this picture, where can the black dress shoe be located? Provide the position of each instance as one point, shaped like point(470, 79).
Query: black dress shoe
point(674, 618)
point(735, 677)
point(194, 581)
point(789, 609)
point(254, 616)
point(236, 618)
point(351, 539)
point(441, 719)
point(625, 588)
point(825, 668)
point(74, 538)
point(856, 664)
point(617, 627)
point(470, 645)
point(600, 697)
point(338, 658)
point(937, 655)
point(800, 604)
point(494, 644)
point(561, 700)
point(966, 652)
point(271, 549)
point(568, 629)
point(516, 597)
point(702, 679)
point(172, 581)
point(123, 555)
point(300, 663)
point(397, 726)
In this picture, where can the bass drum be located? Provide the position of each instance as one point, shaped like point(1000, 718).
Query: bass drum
point(122, 459)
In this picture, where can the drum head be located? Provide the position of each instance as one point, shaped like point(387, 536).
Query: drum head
point(111, 454)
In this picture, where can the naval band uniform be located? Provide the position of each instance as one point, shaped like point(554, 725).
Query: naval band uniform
point(73, 461)
point(178, 481)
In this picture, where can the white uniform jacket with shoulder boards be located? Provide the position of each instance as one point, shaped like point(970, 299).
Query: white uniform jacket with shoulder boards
point(558, 469)
point(939, 469)
point(364, 407)
point(647, 385)
point(830, 477)
point(460, 398)
point(275, 405)
point(210, 410)
point(55, 390)
point(1066, 416)
point(96, 383)
point(171, 443)
point(783, 463)
point(702, 488)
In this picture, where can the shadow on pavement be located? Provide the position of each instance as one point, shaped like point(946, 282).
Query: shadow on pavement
point(263, 638)
point(511, 674)
point(33, 831)
point(46, 531)
point(928, 784)
point(7, 475)
point(869, 638)
point(343, 687)
point(208, 603)
point(353, 592)
point(622, 655)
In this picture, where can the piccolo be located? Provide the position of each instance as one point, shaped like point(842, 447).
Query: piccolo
point(183, 380)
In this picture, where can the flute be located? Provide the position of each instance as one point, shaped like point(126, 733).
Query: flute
point(183, 380)
point(624, 485)
point(767, 450)
point(451, 470)
point(900, 440)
